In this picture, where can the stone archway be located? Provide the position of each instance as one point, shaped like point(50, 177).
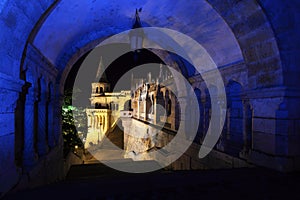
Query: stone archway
point(268, 45)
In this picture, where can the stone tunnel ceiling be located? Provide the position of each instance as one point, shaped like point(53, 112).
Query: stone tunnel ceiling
point(75, 23)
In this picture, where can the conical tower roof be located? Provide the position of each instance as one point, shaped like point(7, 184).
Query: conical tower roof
point(137, 23)
point(101, 75)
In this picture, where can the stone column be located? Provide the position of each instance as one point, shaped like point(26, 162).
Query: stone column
point(274, 144)
point(42, 138)
point(139, 109)
point(92, 122)
point(145, 109)
point(29, 154)
point(173, 113)
point(159, 110)
point(107, 124)
point(207, 110)
point(154, 110)
point(11, 132)
point(203, 127)
point(51, 137)
point(184, 115)
point(127, 125)
point(221, 111)
point(246, 106)
point(58, 119)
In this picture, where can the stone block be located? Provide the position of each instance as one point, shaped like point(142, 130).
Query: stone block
point(227, 158)
point(222, 6)
point(7, 151)
point(284, 164)
point(250, 54)
point(236, 125)
point(22, 27)
point(248, 7)
point(46, 4)
point(285, 127)
point(232, 17)
point(183, 163)
point(196, 164)
point(238, 163)
point(9, 179)
point(266, 50)
point(281, 145)
point(251, 21)
point(297, 127)
point(252, 82)
point(255, 19)
point(161, 139)
point(269, 79)
point(193, 151)
point(297, 163)
point(9, 174)
point(265, 107)
point(29, 11)
point(264, 66)
point(7, 60)
point(293, 145)
point(264, 125)
point(7, 123)
point(260, 34)
point(282, 114)
point(293, 107)
point(264, 142)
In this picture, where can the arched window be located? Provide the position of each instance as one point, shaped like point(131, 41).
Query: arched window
point(153, 110)
point(97, 90)
point(234, 121)
point(169, 107)
point(100, 123)
point(103, 123)
point(101, 90)
point(127, 105)
point(97, 105)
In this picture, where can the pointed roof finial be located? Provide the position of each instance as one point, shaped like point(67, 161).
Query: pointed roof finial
point(137, 22)
point(101, 76)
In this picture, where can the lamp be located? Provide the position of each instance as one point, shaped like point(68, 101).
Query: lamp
point(136, 36)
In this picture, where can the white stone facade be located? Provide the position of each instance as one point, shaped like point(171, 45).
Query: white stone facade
point(104, 112)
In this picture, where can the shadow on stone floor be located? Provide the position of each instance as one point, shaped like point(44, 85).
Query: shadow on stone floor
point(100, 182)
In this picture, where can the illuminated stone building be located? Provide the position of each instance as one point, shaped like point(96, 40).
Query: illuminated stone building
point(105, 108)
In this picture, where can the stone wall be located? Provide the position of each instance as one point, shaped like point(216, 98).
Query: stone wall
point(141, 139)
point(31, 149)
point(9, 93)
point(17, 21)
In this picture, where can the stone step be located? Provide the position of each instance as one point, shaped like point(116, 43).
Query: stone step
point(243, 183)
point(98, 169)
point(95, 161)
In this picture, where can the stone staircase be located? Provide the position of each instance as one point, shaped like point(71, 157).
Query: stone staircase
point(96, 181)
point(110, 147)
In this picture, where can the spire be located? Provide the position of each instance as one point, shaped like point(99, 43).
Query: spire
point(161, 72)
point(100, 72)
point(137, 22)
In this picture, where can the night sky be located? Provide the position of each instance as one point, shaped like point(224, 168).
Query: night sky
point(114, 71)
